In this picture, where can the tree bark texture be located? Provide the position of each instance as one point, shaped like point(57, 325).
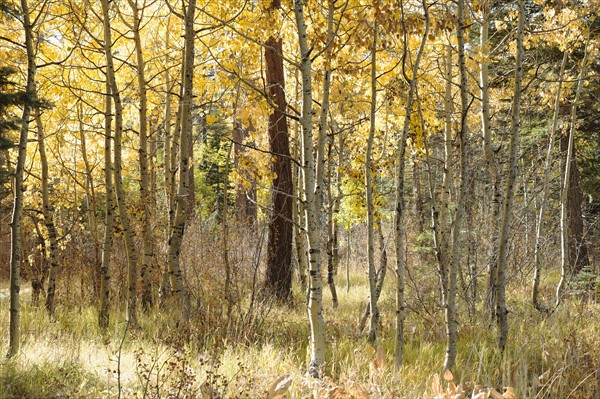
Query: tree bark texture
point(279, 253)
point(17, 213)
point(48, 212)
point(507, 205)
point(109, 218)
point(128, 233)
point(181, 206)
point(313, 201)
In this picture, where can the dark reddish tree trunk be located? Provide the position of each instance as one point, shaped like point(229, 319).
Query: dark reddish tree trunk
point(578, 251)
point(279, 255)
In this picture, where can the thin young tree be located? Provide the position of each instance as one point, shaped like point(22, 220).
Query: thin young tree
point(507, 204)
point(183, 189)
point(400, 171)
point(128, 232)
point(48, 213)
point(17, 214)
point(312, 200)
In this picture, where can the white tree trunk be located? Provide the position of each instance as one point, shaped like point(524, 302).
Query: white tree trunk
point(544, 192)
point(313, 201)
point(47, 211)
point(369, 193)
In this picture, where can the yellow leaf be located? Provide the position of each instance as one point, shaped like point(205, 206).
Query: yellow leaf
point(211, 119)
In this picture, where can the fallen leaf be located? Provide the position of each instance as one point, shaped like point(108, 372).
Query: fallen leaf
point(510, 393)
point(279, 386)
point(448, 375)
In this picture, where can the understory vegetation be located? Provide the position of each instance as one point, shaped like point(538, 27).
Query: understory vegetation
point(264, 344)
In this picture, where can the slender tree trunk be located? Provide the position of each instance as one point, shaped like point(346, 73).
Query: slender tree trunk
point(492, 167)
point(450, 303)
point(245, 197)
point(515, 125)
point(300, 216)
point(47, 211)
point(279, 255)
point(399, 232)
point(323, 120)
point(566, 193)
point(331, 230)
point(144, 155)
point(169, 174)
point(17, 214)
point(179, 221)
point(104, 312)
point(369, 191)
point(440, 212)
point(128, 233)
point(90, 193)
point(313, 200)
point(379, 277)
point(544, 192)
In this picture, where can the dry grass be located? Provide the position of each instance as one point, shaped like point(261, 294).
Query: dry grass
point(547, 357)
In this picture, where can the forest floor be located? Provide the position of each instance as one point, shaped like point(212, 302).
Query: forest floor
point(548, 356)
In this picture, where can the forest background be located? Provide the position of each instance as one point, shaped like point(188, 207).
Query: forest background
point(320, 198)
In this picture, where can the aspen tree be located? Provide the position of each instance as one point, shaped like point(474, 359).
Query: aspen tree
point(47, 211)
point(313, 199)
point(544, 191)
point(507, 205)
point(565, 261)
point(491, 162)
point(144, 155)
point(91, 201)
point(17, 214)
point(185, 114)
point(454, 258)
point(369, 189)
point(109, 217)
point(400, 203)
point(168, 160)
point(322, 137)
point(128, 233)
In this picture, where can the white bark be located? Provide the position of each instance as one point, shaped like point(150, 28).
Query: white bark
point(313, 201)
point(544, 192)
point(47, 211)
point(369, 193)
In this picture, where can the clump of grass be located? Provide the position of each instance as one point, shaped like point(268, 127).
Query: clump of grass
point(47, 380)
